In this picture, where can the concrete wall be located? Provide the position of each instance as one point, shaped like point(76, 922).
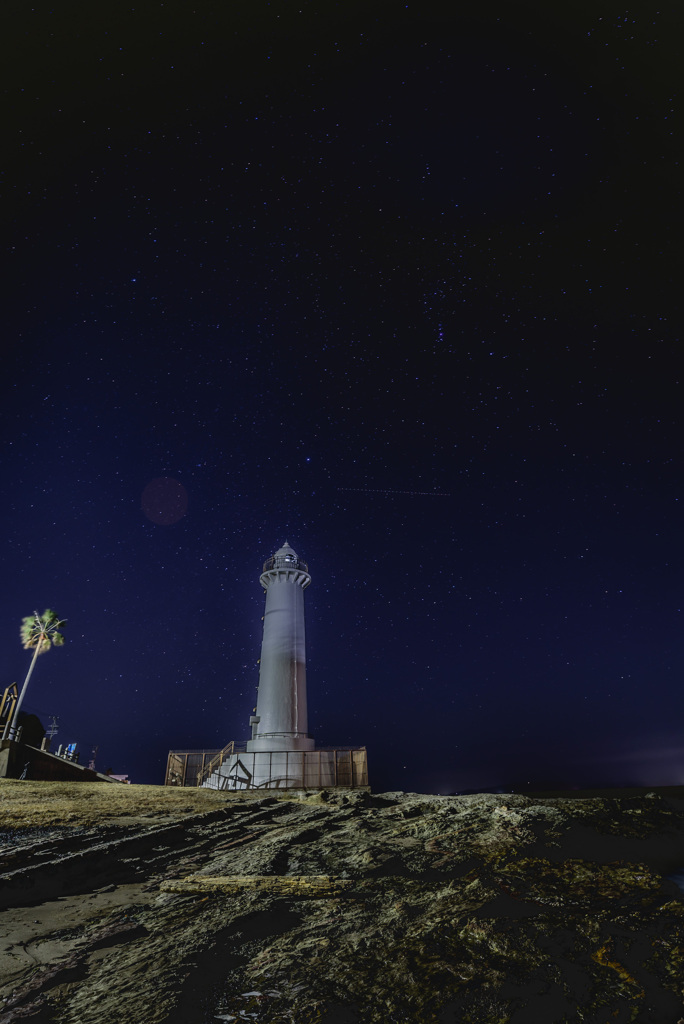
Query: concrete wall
point(43, 766)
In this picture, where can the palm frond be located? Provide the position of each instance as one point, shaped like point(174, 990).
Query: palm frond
point(41, 631)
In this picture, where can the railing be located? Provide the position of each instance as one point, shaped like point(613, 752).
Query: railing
point(183, 766)
point(285, 562)
point(333, 767)
point(216, 762)
point(8, 703)
point(323, 768)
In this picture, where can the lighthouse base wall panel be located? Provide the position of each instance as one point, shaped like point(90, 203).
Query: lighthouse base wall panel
point(292, 769)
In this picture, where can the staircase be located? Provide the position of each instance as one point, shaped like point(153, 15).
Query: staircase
point(215, 763)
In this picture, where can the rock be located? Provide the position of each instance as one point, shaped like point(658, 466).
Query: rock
point(390, 908)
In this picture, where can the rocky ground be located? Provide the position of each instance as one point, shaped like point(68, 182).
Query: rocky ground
point(337, 908)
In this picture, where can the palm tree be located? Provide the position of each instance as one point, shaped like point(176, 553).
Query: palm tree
point(38, 633)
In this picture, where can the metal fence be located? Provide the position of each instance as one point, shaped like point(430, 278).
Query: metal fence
point(323, 768)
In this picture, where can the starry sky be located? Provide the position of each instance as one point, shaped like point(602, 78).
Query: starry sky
point(398, 282)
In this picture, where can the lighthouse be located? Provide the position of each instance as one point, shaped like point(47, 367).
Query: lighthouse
point(280, 753)
point(280, 722)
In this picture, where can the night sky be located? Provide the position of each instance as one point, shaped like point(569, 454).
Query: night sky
point(397, 282)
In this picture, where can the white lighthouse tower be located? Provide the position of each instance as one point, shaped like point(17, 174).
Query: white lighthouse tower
point(280, 722)
point(280, 753)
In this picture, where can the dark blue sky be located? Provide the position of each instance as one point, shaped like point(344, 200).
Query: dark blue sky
point(397, 283)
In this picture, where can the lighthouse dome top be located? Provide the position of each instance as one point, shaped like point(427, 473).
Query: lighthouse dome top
point(285, 558)
point(287, 550)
